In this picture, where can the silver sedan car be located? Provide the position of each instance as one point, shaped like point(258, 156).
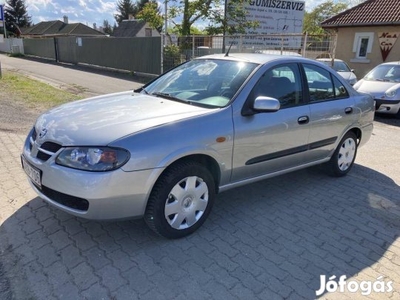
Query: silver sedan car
point(383, 83)
point(164, 151)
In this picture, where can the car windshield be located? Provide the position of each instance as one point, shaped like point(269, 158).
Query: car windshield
point(390, 73)
point(205, 82)
point(338, 66)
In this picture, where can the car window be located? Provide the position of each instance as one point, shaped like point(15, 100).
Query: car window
point(209, 82)
point(341, 66)
point(322, 85)
point(281, 82)
point(340, 90)
point(390, 73)
point(338, 65)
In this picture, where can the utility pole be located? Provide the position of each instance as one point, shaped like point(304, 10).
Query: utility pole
point(166, 17)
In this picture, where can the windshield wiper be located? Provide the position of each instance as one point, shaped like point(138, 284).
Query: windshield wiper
point(170, 97)
point(141, 89)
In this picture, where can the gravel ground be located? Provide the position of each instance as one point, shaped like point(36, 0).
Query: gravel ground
point(14, 115)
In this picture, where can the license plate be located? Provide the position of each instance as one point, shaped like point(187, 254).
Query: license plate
point(33, 173)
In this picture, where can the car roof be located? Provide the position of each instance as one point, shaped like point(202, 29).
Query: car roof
point(258, 58)
point(329, 59)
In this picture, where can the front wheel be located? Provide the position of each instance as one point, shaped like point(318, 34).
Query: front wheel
point(343, 158)
point(181, 200)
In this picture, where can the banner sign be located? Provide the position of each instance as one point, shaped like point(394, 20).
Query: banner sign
point(275, 17)
point(386, 42)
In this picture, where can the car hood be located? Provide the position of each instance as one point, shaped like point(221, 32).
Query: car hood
point(101, 120)
point(375, 88)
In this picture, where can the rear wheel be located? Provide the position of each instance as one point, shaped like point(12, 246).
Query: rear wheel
point(343, 158)
point(181, 200)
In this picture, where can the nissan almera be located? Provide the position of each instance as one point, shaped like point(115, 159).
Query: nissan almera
point(164, 151)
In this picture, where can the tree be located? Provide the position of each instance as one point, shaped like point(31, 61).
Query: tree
point(150, 13)
point(107, 27)
point(16, 16)
point(235, 21)
point(313, 19)
point(140, 4)
point(125, 9)
point(213, 11)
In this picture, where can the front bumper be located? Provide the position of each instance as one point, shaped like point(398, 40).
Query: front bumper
point(92, 195)
point(387, 106)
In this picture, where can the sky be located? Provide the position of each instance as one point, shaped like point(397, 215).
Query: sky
point(87, 12)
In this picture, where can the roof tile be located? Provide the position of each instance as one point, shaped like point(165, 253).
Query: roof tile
point(368, 13)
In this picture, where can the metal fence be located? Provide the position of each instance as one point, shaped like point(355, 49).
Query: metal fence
point(146, 54)
point(11, 45)
point(310, 46)
point(140, 55)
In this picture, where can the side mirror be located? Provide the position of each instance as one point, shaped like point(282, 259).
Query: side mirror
point(266, 104)
point(353, 70)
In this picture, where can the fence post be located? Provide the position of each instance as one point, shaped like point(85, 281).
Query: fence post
point(305, 45)
point(163, 42)
point(334, 47)
point(56, 49)
point(192, 46)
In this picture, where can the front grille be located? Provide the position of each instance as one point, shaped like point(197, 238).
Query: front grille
point(49, 146)
point(34, 134)
point(43, 156)
point(46, 150)
point(66, 200)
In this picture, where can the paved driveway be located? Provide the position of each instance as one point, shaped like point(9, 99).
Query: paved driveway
point(269, 240)
point(80, 78)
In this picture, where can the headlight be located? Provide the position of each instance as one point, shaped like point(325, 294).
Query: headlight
point(390, 93)
point(97, 159)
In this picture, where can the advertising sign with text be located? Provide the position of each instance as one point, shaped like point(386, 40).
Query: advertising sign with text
point(274, 17)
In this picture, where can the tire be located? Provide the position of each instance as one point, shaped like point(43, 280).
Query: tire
point(181, 200)
point(343, 158)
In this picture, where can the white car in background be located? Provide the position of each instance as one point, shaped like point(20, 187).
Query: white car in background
point(383, 83)
point(342, 68)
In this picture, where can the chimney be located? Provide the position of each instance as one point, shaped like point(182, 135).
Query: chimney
point(94, 26)
point(131, 17)
point(65, 19)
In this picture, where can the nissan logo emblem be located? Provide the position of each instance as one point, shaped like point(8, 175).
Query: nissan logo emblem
point(42, 133)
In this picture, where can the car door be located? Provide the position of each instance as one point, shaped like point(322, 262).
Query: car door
point(332, 111)
point(269, 142)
